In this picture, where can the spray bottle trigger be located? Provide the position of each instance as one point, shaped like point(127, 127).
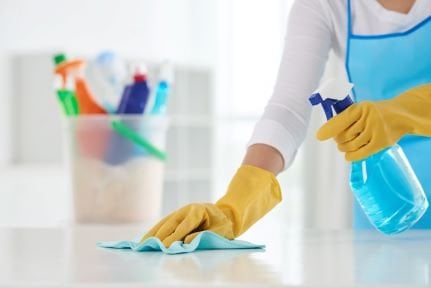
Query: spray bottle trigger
point(342, 105)
point(316, 99)
point(329, 105)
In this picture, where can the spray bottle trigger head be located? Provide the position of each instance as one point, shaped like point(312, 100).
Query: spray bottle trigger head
point(341, 105)
point(316, 99)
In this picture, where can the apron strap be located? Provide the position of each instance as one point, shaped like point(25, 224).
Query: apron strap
point(349, 35)
point(349, 19)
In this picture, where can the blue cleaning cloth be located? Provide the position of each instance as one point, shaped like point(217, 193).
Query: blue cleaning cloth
point(206, 240)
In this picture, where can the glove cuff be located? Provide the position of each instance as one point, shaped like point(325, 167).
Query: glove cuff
point(251, 194)
point(414, 106)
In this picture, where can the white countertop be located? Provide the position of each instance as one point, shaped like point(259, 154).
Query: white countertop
point(58, 257)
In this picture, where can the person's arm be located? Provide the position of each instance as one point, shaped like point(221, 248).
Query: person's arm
point(264, 157)
point(254, 189)
point(284, 122)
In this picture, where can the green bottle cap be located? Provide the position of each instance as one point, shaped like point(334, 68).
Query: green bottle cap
point(59, 58)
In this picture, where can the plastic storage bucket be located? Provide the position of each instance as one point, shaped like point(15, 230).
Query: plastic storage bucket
point(112, 178)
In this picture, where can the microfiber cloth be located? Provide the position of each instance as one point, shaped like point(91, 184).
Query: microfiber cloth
point(206, 240)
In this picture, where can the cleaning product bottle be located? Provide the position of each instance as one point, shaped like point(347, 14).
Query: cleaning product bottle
point(66, 97)
point(106, 75)
point(92, 142)
point(163, 89)
point(384, 184)
point(133, 102)
point(135, 95)
point(73, 68)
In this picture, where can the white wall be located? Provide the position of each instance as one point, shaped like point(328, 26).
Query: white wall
point(257, 42)
point(5, 111)
point(157, 29)
point(251, 41)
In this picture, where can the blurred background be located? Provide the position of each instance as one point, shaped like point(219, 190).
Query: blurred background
point(226, 56)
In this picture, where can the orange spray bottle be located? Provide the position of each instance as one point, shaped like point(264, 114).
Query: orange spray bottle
point(91, 136)
point(72, 68)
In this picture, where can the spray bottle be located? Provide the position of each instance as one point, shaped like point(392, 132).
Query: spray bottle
point(384, 184)
point(162, 90)
point(73, 68)
point(66, 96)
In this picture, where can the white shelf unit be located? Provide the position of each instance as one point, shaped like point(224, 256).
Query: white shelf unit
point(190, 139)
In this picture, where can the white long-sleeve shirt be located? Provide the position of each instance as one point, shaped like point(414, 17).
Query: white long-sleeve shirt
point(314, 28)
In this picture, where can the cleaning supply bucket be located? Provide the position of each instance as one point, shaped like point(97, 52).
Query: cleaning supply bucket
point(124, 190)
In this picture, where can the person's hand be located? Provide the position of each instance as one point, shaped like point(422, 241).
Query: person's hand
point(368, 127)
point(185, 223)
point(251, 194)
point(364, 129)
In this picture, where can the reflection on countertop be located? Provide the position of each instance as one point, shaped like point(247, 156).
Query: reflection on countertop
point(68, 256)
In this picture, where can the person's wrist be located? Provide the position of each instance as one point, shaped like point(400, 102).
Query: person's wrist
point(251, 191)
point(264, 157)
point(405, 107)
point(398, 117)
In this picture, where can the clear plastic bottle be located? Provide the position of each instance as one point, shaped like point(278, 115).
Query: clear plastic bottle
point(106, 75)
point(384, 184)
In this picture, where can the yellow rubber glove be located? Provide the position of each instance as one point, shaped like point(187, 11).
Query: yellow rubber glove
point(251, 194)
point(368, 127)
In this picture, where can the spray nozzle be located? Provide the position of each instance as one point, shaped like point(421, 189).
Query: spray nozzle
point(328, 104)
point(339, 104)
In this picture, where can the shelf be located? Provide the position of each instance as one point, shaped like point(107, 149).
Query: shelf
point(207, 121)
point(188, 175)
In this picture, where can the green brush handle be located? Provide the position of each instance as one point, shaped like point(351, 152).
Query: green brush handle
point(128, 133)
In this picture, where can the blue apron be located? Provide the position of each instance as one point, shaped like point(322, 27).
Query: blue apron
point(383, 66)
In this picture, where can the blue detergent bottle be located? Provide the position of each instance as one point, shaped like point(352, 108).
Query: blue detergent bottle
point(384, 184)
point(135, 96)
point(132, 104)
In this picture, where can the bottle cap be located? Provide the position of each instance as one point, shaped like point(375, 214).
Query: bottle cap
point(167, 72)
point(140, 72)
point(59, 58)
point(139, 77)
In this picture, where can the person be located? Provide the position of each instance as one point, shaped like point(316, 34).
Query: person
point(385, 45)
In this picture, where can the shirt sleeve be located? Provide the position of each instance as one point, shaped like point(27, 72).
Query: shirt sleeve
point(308, 41)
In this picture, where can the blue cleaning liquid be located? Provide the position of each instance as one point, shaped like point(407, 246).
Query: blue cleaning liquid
point(386, 188)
